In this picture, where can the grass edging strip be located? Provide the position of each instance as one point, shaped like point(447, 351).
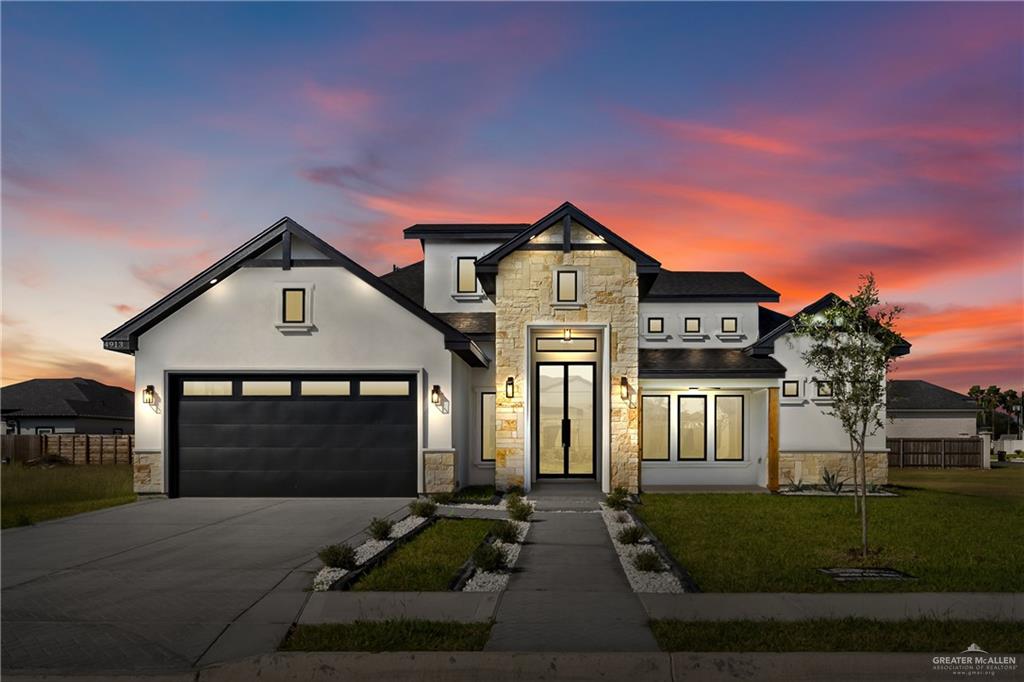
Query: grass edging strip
point(347, 580)
point(389, 635)
point(681, 574)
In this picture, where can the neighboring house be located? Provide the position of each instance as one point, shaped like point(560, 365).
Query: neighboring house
point(511, 353)
point(39, 406)
point(918, 409)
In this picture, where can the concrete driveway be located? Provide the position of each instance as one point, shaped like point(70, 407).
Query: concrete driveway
point(166, 585)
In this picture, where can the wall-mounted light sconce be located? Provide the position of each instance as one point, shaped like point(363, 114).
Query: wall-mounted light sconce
point(435, 395)
point(566, 335)
point(624, 388)
point(510, 388)
point(149, 395)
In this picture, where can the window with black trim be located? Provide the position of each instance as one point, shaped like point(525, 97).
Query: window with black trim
point(790, 389)
point(693, 427)
point(654, 427)
point(566, 286)
point(293, 307)
point(729, 427)
point(730, 325)
point(655, 325)
point(465, 275)
point(488, 426)
point(691, 325)
point(824, 389)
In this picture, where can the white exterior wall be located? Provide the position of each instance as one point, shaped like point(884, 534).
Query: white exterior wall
point(751, 471)
point(232, 327)
point(711, 315)
point(930, 425)
point(804, 425)
point(439, 261)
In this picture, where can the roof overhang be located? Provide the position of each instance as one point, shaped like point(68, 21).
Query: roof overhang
point(125, 339)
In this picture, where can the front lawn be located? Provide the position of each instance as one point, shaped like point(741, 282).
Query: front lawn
point(392, 635)
point(1006, 481)
point(32, 494)
point(474, 494)
point(772, 543)
point(431, 560)
point(850, 634)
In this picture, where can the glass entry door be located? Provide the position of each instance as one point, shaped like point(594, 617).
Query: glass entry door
point(564, 423)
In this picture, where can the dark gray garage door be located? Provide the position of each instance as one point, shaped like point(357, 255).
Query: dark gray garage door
point(293, 435)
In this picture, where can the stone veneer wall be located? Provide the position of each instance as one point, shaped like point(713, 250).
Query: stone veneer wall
point(439, 471)
point(524, 295)
point(808, 466)
point(147, 472)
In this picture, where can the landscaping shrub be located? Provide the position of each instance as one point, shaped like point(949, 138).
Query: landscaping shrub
point(515, 490)
point(424, 508)
point(488, 557)
point(618, 499)
point(832, 482)
point(520, 510)
point(442, 498)
point(648, 560)
point(630, 535)
point(380, 529)
point(513, 498)
point(338, 556)
point(622, 518)
point(506, 531)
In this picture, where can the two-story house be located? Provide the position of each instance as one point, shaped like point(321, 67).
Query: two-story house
point(511, 354)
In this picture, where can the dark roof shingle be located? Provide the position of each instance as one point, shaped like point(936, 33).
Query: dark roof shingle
point(914, 394)
point(474, 325)
point(407, 281)
point(708, 286)
point(76, 397)
point(706, 363)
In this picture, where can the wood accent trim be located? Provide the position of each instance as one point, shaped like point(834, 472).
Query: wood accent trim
point(773, 439)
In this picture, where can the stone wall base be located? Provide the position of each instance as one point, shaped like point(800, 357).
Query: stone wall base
point(147, 472)
point(439, 471)
point(808, 467)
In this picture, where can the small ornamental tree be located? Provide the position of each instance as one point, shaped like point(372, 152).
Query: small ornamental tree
point(851, 346)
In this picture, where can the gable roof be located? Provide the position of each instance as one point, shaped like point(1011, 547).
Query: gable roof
point(765, 344)
point(707, 286)
point(124, 339)
point(645, 264)
point(75, 397)
point(408, 280)
point(768, 319)
point(474, 231)
point(903, 395)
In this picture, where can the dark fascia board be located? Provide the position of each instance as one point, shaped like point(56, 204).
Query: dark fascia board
point(896, 411)
point(645, 264)
point(466, 231)
point(711, 298)
point(124, 339)
point(712, 374)
point(765, 345)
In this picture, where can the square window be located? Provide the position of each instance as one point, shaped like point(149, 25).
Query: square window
point(790, 389)
point(293, 311)
point(655, 325)
point(488, 426)
point(691, 325)
point(566, 289)
point(824, 389)
point(465, 276)
point(730, 325)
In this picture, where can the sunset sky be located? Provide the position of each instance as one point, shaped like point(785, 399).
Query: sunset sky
point(801, 143)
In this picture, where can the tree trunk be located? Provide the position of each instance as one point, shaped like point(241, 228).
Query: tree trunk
point(853, 460)
point(864, 498)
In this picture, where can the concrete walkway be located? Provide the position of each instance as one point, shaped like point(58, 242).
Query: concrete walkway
point(569, 592)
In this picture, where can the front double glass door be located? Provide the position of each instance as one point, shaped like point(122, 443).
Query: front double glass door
point(565, 419)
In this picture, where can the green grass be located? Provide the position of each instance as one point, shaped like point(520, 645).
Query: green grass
point(1006, 482)
point(392, 635)
point(475, 494)
point(851, 634)
point(772, 543)
point(430, 561)
point(32, 494)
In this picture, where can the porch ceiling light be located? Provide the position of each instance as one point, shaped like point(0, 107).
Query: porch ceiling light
point(624, 388)
point(567, 335)
point(213, 281)
point(149, 395)
point(435, 395)
point(510, 388)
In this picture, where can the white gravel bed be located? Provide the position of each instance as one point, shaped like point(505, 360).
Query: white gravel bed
point(826, 493)
point(326, 577)
point(487, 581)
point(476, 505)
point(663, 582)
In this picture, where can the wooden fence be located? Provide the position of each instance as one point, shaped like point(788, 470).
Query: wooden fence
point(73, 448)
point(935, 452)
